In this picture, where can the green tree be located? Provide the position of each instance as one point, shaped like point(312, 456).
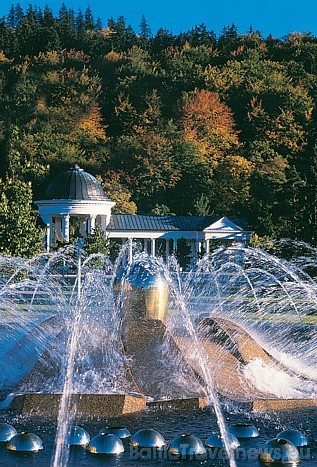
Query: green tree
point(20, 233)
point(309, 221)
point(161, 210)
point(28, 33)
point(96, 242)
point(183, 253)
point(145, 30)
point(202, 206)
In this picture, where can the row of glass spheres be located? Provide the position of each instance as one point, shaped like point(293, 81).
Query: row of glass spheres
point(282, 448)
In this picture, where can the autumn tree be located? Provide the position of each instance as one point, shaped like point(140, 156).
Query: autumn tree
point(181, 123)
point(208, 125)
point(144, 155)
point(118, 193)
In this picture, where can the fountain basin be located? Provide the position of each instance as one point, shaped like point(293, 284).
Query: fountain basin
point(113, 405)
point(269, 405)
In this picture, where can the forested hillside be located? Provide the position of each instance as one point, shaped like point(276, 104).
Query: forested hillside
point(186, 124)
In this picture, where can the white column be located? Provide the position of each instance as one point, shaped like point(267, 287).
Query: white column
point(174, 245)
point(153, 246)
point(145, 245)
point(207, 245)
point(167, 248)
point(130, 250)
point(51, 232)
point(83, 227)
point(48, 236)
point(198, 246)
point(91, 223)
point(65, 226)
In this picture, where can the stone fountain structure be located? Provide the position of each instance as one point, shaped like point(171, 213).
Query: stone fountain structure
point(158, 363)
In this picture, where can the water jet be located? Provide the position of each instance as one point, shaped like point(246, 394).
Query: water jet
point(131, 348)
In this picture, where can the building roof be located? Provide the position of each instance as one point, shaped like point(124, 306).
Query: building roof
point(75, 184)
point(131, 222)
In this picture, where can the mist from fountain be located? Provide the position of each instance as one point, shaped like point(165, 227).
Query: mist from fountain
point(42, 319)
point(28, 321)
point(178, 323)
point(95, 362)
point(187, 322)
point(269, 298)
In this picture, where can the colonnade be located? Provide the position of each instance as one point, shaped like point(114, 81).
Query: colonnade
point(150, 246)
point(58, 227)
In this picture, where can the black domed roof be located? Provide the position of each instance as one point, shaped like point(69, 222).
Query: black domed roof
point(75, 184)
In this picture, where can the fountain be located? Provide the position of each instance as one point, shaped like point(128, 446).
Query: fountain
point(236, 334)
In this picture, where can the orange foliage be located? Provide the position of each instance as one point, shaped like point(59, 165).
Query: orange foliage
point(92, 124)
point(287, 132)
point(208, 123)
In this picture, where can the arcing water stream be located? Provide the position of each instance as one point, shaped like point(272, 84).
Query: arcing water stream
point(78, 333)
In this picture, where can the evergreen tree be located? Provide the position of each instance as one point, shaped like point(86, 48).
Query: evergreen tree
point(18, 15)
point(145, 30)
point(20, 234)
point(11, 17)
point(183, 253)
point(28, 33)
point(80, 22)
point(184, 123)
point(98, 25)
point(50, 39)
point(96, 242)
point(89, 19)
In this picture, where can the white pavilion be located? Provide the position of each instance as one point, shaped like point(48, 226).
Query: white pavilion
point(76, 193)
